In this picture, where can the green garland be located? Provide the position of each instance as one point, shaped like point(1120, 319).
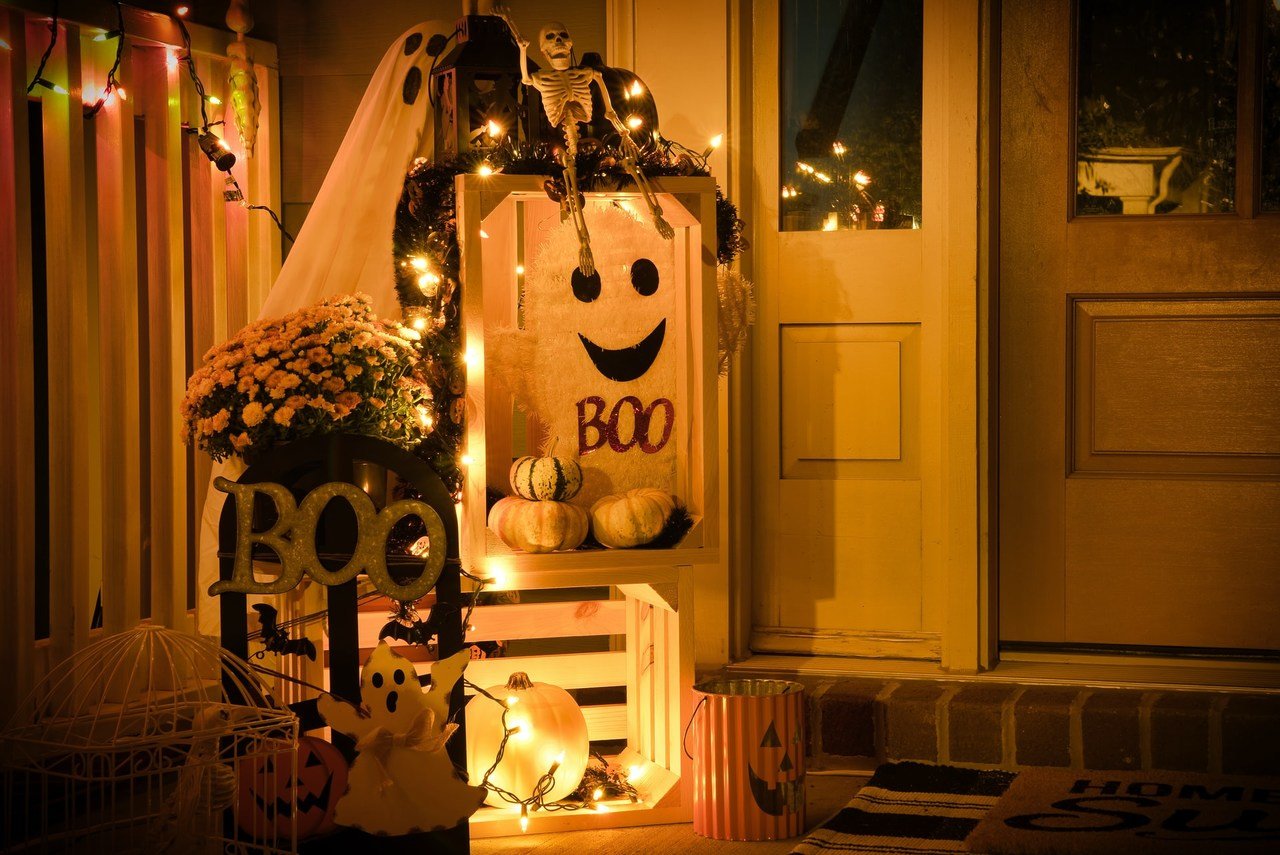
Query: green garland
point(426, 228)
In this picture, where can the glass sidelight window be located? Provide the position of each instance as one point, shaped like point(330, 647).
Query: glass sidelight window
point(1271, 107)
point(1156, 106)
point(850, 114)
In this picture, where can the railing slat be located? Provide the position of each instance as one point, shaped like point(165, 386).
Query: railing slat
point(161, 102)
point(263, 187)
point(118, 308)
point(17, 449)
point(74, 431)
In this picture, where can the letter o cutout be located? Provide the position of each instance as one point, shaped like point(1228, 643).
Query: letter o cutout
point(434, 559)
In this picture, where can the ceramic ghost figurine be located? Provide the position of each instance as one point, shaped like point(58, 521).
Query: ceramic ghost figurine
point(565, 88)
point(595, 360)
point(402, 781)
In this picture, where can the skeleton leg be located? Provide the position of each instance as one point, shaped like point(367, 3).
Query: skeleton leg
point(586, 263)
point(650, 198)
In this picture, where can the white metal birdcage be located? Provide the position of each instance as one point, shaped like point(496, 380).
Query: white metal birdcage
point(150, 741)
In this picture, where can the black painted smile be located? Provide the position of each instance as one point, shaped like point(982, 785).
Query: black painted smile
point(627, 363)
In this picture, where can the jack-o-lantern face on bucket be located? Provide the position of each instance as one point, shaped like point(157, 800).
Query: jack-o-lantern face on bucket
point(777, 783)
point(271, 794)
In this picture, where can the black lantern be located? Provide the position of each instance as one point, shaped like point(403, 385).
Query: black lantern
point(478, 94)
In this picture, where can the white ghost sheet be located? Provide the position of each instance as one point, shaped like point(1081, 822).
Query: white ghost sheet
point(402, 780)
point(345, 244)
point(596, 358)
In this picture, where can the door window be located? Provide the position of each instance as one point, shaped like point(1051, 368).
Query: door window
point(1156, 107)
point(850, 113)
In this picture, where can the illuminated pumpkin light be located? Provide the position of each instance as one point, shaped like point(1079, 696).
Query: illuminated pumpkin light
point(552, 733)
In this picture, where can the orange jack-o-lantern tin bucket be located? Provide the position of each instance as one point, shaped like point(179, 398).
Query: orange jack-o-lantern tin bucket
point(748, 744)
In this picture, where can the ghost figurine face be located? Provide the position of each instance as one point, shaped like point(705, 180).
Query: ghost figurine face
point(556, 45)
point(603, 377)
point(390, 689)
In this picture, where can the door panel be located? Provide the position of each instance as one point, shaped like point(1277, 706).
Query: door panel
point(1182, 563)
point(843, 412)
point(1139, 363)
point(1176, 387)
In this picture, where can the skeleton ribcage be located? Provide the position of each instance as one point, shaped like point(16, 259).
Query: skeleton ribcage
point(566, 95)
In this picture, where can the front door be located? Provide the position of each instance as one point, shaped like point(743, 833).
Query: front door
point(1139, 325)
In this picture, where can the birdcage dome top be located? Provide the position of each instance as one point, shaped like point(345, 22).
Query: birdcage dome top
point(146, 684)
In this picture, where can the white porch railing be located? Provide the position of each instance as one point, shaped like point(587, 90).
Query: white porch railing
point(120, 264)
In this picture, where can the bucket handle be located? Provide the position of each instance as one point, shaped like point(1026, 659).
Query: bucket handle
point(684, 740)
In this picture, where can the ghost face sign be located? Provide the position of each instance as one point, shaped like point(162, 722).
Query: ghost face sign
point(603, 354)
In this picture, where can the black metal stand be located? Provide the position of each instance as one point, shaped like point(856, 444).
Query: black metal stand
point(301, 466)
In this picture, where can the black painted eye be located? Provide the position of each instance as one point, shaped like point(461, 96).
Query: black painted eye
point(586, 288)
point(644, 277)
point(550, 36)
point(564, 35)
point(313, 760)
point(377, 679)
point(398, 676)
point(412, 83)
point(411, 43)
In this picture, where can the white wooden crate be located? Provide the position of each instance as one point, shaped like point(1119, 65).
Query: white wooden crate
point(655, 667)
point(655, 614)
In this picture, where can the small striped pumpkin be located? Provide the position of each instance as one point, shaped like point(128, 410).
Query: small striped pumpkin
point(546, 479)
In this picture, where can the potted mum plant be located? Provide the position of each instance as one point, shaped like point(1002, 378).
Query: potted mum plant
point(334, 367)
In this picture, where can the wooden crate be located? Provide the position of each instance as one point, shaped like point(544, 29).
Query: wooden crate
point(653, 663)
point(654, 615)
point(496, 217)
point(655, 667)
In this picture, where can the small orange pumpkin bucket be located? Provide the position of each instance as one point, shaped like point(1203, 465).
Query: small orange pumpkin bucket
point(748, 759)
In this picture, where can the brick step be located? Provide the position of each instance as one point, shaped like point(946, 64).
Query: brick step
point(1010, 726)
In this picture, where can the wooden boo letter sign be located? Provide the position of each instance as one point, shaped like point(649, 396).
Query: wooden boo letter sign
point(294, 534)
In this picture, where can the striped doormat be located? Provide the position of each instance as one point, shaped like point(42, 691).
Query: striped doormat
point(910, 808)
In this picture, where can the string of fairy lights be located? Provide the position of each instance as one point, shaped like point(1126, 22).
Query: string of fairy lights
point(214, 147)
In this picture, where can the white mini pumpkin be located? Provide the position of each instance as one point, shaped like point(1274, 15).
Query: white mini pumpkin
point(538, 526)
point(633, 518)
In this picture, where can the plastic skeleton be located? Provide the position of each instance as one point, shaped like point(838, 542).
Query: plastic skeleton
point(189, 818)
point(566, 97)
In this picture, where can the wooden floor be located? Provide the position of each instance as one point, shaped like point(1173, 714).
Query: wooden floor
point(826, 794)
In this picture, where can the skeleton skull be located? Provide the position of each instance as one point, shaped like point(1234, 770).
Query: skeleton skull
point(556, 45)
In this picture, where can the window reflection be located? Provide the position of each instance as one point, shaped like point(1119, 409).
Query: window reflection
point(1156, 110)
point(851, 104)
point(1271, 107)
